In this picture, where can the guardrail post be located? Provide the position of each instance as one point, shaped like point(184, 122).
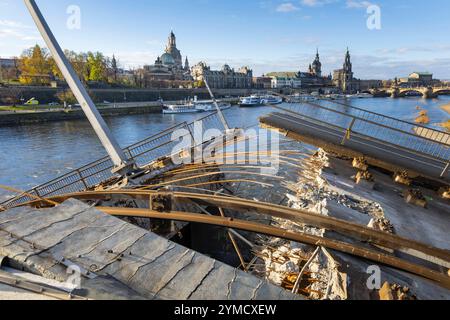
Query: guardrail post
point(37, 192)
point(349, 132)
point(82, 179)
point(445, 169)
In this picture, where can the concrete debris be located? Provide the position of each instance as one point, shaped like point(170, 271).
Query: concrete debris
point(331, 283)
point(283, 261)
point(392, 292)
point(314, 193)
point(360, 163)
point(321, 280)
point(445, 193)
point(403, 178)
point(381, 224)
point(365, 179)
point(415, 197)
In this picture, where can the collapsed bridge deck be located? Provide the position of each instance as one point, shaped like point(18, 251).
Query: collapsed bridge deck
point(383, 141)
point(119, 260)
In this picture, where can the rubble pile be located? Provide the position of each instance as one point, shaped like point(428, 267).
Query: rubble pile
point(382, 224)
point(283, 260)
point(395, 292)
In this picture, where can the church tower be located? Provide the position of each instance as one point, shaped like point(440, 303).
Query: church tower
point(186, 64)
point(348, 73)
point(317, 66)
point(172, 40)
point(171, 49)
point(347, 63)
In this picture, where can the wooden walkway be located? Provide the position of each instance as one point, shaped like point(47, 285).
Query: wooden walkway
point(119, 260)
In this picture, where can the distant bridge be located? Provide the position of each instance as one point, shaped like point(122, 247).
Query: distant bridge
point(426, 92)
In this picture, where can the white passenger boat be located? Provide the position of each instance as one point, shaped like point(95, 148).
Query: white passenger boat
point(210, 106)
point(359, 96)
point(180, 108)
point(363, 96)
point(252, 101)
point(193, 107)
point(269, 99)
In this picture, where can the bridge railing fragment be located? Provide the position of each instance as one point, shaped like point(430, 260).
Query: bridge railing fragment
point(100, 171)
point(432, 143)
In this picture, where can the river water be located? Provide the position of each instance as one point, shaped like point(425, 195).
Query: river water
point(36, 153)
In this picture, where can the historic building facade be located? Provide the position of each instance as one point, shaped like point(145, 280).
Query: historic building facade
point(167, 67)
point(344, 78)
point(9, 69)
point(227, 78)
point(263, 82)
point(418, 79)
point(311, 79)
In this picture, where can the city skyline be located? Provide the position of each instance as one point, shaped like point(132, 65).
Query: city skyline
point(265, 35)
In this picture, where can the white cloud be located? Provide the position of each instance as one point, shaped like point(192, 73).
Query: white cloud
point(135, 59)
point(287, 7)
point(13, 24)
point(358, 4)
point(18, 30)
point(317, 3)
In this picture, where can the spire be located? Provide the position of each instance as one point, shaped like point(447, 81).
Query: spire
point(186, 64)
point(348, 63)
point(172, 39)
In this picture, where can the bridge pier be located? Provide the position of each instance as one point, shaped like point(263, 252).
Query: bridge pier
point(430, 94)
point(395, 93)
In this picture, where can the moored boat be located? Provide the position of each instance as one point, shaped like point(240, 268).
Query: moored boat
point(180, 108)
point(270, 99)
point(252, 101)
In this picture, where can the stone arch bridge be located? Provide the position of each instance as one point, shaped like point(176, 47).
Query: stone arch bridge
point(426, 92)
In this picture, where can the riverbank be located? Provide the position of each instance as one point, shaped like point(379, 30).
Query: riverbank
point(19, 118)
point(47, 95)
point(446, 125)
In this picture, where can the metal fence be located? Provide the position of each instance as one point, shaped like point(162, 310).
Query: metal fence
point(100, 171)
point(426, 141)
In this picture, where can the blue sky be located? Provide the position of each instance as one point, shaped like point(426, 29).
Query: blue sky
point(267, 35)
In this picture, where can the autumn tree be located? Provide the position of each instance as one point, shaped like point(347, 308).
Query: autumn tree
point(66, 96)
point(96, 64)
point(114, 68)
point(35, 67)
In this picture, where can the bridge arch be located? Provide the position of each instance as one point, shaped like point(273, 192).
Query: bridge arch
point(445, 91)
point(404, 93)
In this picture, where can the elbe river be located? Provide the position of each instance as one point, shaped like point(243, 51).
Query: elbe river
point(33, 154)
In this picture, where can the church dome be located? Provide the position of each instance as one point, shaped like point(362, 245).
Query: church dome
point(167, 59)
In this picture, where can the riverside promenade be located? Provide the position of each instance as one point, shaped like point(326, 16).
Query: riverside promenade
point(21, 117)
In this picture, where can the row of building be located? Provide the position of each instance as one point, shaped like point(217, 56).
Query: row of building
point(170, 70)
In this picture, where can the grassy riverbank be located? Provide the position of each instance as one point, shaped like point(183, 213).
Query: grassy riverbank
point(30, 108)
